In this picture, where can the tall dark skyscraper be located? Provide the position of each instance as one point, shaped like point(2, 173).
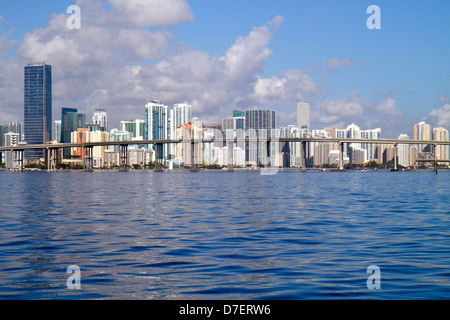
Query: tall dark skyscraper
point(37, 107)
point(71, 121)
point(258, 123)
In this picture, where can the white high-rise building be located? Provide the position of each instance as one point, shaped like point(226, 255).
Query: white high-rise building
point(135, 127)
point(295, 153)
point(441, 151)
point(303, 116)
point(11, 139)
point(354, 132)
point(422, 131)
point(100, 118)
point(57, 131)
point(358, 154)
point(370, 147)
point(182, 114)
point(403, 151)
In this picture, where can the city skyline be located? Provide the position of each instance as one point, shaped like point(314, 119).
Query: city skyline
point(264, 61)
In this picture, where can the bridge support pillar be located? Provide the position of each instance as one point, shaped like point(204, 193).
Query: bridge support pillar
point(341, 156)
point(395, 157)
point(17, 160)
point(435, 159)
point(268, 152)
point(159, 167)
point(230, 153)
point(303, 153)
point(194, 166)
point(52, 158)
point(88, 165)
point(123, 157)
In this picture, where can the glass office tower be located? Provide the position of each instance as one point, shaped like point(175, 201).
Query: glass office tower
point(37, 107)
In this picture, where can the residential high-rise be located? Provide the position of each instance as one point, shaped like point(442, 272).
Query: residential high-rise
point(259, 119)
point(57, 131)
point(4, 129)
point(403, 151)
point(370, 147)
point(182, 114)
point(441, 151)
point(156, 124)
point(135, 127)
point(37, 107)
point(354, 132)
point(294, 148)
point(259, 123)
point(11, 139)
point(16, 127)
point(233, 123)
point(422, 131)
point(80, 136)
point(303, 116)
point(100, 118)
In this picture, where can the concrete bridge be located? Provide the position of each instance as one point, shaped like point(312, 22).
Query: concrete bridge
point(52, 150)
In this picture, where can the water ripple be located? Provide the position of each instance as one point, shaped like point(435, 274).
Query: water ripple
point(183, 235)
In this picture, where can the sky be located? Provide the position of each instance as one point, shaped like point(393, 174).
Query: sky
point(220, 55)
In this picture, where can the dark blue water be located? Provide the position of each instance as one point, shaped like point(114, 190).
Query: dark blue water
point(221, 235)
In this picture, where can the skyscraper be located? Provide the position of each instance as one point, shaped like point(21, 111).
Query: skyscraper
point(354, 132)
point(422, 131)
point(16, 127)
point(370, 147)
point(37, 107)
point(100, 118)
point(156, 124)
point(258, 124)
point(57, 131)
point(403, 151)
point(135, 127)
point(441, 151)
point(260, 119)
point(182, 113)
point(303, 116)
point(71, 121)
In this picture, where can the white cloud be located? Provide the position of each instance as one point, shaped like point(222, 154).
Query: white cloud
point(107, 65)
point(366, 113)
point(114, 61)
point(441, 116)
point(329, 112)
point(387, 107)
point(151, 13)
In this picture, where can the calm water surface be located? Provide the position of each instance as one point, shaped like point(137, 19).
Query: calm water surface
point(221, 235)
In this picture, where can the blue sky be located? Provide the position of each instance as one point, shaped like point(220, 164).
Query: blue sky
point(394, 77)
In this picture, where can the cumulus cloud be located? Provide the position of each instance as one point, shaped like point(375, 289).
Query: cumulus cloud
point(366, 113)
point(120, 66)
point(289, 88)
point(151, 13)
point(116, 62)
point(387, 107)
point(441, 116)
point(331, 112)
